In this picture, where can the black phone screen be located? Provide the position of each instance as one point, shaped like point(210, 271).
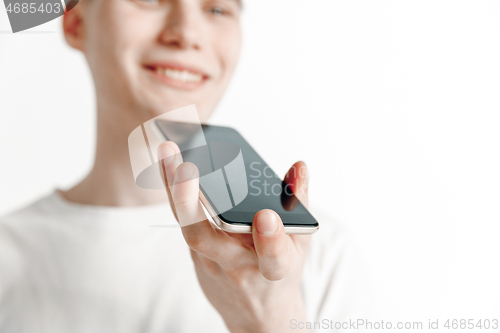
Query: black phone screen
point(233, 177)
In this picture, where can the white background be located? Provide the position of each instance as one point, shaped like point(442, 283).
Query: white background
point(394, 105)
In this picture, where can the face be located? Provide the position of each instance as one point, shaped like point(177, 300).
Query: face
point(148, 57)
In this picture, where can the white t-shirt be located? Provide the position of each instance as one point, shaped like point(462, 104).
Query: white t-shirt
point(67, 267)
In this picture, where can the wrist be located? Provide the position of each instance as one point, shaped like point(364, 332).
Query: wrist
point(272, 318)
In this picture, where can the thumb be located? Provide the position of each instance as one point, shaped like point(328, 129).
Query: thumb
point(271, 245)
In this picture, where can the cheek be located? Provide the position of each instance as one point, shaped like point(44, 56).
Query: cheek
point(125, 27)
point(228, 48)
point(122, 36)
point(129, 33)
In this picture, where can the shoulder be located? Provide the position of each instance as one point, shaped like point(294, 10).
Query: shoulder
point(17, 229)
point(36, 227)
point(26, 218)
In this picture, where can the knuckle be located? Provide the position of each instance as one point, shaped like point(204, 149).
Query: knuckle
point(241, 276)
point(275, 274)
point(197, 243)
point(211, 267)
point(183, 205)
point(208, 266)
point(186, 204)
point(273, 254)
point(235, 274)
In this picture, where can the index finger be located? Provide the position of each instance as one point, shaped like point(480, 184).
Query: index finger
point(169, 159)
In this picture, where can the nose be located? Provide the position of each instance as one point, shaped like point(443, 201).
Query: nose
point(182, 28)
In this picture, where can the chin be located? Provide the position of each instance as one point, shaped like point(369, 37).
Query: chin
point(159, 109)
point(156, 104)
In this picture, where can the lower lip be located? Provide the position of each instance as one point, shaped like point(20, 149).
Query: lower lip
point(175, 83)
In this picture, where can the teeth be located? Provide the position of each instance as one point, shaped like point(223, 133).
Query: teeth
point(183, 76)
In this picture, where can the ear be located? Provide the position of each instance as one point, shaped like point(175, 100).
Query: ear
point(73, 27)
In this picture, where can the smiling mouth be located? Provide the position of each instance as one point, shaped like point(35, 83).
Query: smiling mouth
point(181, 76)
point(178, 77)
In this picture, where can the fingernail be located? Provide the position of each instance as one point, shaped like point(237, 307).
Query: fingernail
point(166, 153)
point(184, 172)
point(267, 224)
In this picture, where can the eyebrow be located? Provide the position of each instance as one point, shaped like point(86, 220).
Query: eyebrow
point(239, 2)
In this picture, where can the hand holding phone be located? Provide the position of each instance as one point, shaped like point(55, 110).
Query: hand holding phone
point(253, 280)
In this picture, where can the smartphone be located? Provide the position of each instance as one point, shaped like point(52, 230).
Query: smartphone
point(235, 182)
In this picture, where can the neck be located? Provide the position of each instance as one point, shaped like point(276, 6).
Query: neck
point(111, 181)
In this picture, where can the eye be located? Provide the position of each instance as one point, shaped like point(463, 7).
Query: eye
point(149, 2)
point(217, 11)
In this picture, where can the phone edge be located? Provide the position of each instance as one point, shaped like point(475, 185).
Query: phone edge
point(247, 229)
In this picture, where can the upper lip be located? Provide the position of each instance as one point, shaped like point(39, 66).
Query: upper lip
point(177, 66)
